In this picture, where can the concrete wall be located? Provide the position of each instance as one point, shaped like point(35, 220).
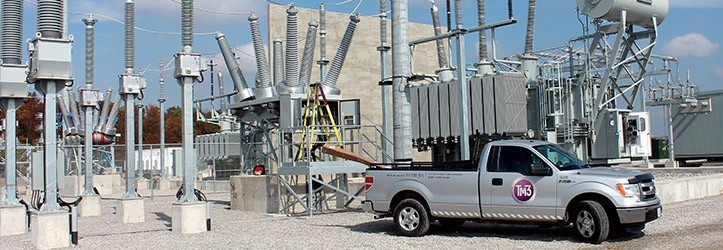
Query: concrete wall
point(360, 76)
point(684, 189)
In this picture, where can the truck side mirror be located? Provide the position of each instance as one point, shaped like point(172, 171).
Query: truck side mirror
point(539, 169)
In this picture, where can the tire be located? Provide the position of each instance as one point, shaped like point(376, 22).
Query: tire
point(451, 223)
point(411, 218)
point(590, 222)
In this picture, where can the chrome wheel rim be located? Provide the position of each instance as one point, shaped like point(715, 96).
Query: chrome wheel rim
point(585, 223)
point(409, 218)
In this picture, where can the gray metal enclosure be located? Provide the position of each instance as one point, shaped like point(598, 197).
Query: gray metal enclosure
point(697, 128)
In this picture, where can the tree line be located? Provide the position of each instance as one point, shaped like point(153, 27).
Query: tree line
point(30, 121)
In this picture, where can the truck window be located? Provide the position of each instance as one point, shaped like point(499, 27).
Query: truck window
point(561, 158)
point(510, 159)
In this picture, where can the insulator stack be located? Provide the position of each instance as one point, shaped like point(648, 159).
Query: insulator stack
point(482, 20)
point(262, 62)
point(89, 49)
point(187, 23)
point(50, 18)
point(12, 31)
point(307, 59)
point(441, 52)
point(529, 38)
point(335, 69)
point(130, 35)
point(244, 93)
point(292, 47)
point(278, 62)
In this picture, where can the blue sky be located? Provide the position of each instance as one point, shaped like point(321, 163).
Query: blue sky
point(692, 32)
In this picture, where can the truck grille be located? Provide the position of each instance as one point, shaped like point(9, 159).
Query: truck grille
point(646, 184)
point(648, 190)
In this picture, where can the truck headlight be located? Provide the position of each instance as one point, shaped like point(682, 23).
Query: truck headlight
point(629, 191)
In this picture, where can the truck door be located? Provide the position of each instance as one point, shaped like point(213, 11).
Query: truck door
point(514, 194)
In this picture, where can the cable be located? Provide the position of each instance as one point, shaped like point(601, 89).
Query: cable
point(135, 27)
point(357, 7)
point(243, 13)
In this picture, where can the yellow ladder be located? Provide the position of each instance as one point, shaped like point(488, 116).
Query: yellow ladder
point(317, 105)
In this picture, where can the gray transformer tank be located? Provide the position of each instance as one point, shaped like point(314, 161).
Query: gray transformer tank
point(497, 105)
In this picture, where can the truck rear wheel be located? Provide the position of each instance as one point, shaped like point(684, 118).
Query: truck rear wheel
point(410, 218)
point(590, 222)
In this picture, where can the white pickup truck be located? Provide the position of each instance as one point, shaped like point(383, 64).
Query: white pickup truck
point(514, 180)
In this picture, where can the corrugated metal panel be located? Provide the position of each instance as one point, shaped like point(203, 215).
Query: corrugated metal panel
point(454, 113)
point(476, 105)
point(511, 102)
point(434, 111)
point(414, 103)
point(424, 112)
point(488, 91)
point(444, 111)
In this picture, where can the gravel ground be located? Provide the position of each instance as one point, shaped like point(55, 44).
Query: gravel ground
point(693, 224)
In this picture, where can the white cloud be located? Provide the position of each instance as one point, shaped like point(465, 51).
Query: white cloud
point(692, 44)
point(718, 70)
point(697, 3)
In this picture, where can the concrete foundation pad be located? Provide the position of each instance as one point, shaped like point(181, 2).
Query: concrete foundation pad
point(189, 217)
point(89, 206)
point(50, 229)
point(255, 193)
point(163, 185)
point(13, 220)
point(130, 210)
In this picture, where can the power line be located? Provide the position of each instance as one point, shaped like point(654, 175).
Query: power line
point(242, 13)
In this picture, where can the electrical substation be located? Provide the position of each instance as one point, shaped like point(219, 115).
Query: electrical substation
point(362, 91)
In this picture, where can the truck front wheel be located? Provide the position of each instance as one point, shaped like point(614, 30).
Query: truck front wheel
point(410, 218)
point(591, 222)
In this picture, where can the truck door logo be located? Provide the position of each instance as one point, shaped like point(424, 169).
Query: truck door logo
point(523, 190)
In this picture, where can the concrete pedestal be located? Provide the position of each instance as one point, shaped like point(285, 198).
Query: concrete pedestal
point(89, 206)
point(130, 210)
point(189, 217)
point(50, 229)
point(163, 185)
point(107, 184)
point(74, 185)
point(255, 193)
point(13, 220)
point(142, 184)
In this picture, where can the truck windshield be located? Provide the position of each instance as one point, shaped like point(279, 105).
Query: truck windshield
point(561, 158)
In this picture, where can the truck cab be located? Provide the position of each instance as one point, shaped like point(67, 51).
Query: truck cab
point(517, 180)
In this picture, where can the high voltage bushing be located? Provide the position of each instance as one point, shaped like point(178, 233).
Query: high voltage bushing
point(278, 62)
point(291, 84)
point(244, 92)
point(307, 59)
point(264, 87)
point(335, 69)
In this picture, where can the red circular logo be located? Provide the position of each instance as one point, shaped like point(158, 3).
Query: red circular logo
point(523, 190)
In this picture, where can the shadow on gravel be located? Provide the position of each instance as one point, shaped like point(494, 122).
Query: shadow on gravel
point(164, 217)
point(490, 229)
